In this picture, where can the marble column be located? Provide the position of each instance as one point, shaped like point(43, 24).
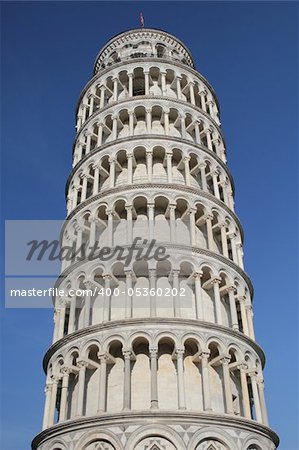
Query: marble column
point(198, 296)
point(233, 308)
point(181, 383)
point(256, 398)
point(64, 392)
point(102, 383)
point(206, 381)
point(48, 394)
point(245, 393)
point(154, 376)
point(51, 417)
point(152, 284)
point(227, 385)
point(127, 380)
point(218, 307)
point(82, 365)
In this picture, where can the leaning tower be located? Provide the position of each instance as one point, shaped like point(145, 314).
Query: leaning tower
point(152, 353)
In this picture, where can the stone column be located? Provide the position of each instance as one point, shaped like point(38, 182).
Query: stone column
point(154, 377)
point(215, 283)
point(128, 305)
point(224, 186)
point(91, 103)
point(79, 122)
point(71, 325)
point(110, 228)
point(127, 380)
point(131, 122)
point(209, 218)
point(192, 97)
point(149, 165)
point(240, 255)
point(169, 166)
point(242, 299)
point(215, 183)
point(224, 239)
point(148, 118)
point(106, 306)
point(84, 106)
point(232, 237)
point(78, 243)
point(181, 383)
point(260, 385)
point(87, 304)
point(81, 387)
point(115, 89)
point(249, 314)
point(203, 177)
point(211, 110)
point(61, 322)
point(176, 300)
point(75, 198)
point(152, 283)
point(146, 82)
point(198, 296)
point(96, 175)
point(187, 170)
point(203, 100)
point(166, 122)
point(129, 209)
point(64, 391)
point(163, 82)
point(172, 222)
point(93, 232)
point(245, 394)
point(48, 394)
point(256, 398)
point(209, 140)
point(84, 187)
point(197, 133)
point(206, 381)
point(151, 220)
point(51, 417)
point(227, 385)
point(56, 321)
point(192, 226)
point(114, 127)
point(88, 141)
point(112, 172)
point(178, 87)
point(183, 126)
point(130, 168)
point(100, 134)
point(130, 75)
point(103, 381)
point(233, 308)
point(102, 96)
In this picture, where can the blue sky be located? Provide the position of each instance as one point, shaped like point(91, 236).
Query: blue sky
point(249, 53)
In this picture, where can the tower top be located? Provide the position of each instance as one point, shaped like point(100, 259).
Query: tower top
point(142, 43)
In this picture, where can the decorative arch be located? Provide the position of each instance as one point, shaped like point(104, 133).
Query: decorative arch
point(158, 432)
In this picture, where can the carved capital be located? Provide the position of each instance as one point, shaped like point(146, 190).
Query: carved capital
point(127, 353)
point(82, 364)
point(153, 351)
point(179, 352)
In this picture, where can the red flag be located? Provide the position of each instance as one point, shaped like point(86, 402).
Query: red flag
point(141, 20)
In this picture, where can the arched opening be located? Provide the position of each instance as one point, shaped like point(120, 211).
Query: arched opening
point(167, 375)
point(141, 375)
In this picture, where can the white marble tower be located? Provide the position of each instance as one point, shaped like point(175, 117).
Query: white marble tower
point(163, 355)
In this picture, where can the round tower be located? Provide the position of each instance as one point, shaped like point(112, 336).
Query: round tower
point(152, 352)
